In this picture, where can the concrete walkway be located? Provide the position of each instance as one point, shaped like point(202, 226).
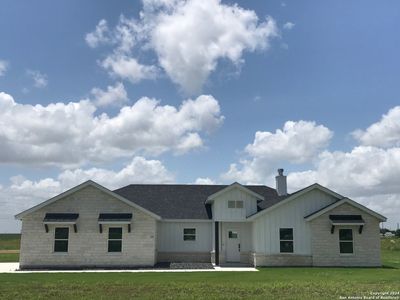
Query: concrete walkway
point(13, 267)
point(8, 267)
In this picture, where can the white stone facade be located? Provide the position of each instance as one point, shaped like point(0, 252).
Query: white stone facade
point(325, 246)
point(88, 247)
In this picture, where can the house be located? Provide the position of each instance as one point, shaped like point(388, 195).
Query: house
point(142, 224)
point(389, 234)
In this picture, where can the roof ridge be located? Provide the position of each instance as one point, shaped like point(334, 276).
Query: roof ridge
point(191, 184)
point(177, 201)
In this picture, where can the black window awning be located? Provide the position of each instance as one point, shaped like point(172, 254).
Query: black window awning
point(61, 218)
point(346, 220)
point(115, 218)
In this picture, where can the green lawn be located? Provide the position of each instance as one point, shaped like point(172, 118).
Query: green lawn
point(272, 283)
point(9, 257)
point(9, 241)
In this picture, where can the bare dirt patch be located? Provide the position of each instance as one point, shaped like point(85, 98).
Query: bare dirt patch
point(8, 251)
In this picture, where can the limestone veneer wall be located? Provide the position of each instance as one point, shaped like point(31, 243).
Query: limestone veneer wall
point(88, 247)
point(325, 246)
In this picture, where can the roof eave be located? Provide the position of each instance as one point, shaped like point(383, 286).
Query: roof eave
point(342, 201)
point(77, 188)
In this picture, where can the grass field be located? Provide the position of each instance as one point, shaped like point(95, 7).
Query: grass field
point(9, 241)
point(9, 247)
point(272, 283)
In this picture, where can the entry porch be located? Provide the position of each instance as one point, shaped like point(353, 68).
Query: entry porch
point(232, 243)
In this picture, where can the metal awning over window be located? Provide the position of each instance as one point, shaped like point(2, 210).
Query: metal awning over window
point(115, 218)
point(60, 219)
point(347, 220)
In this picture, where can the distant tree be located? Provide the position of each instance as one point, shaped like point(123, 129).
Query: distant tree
point(384, 230)
point(397, 233)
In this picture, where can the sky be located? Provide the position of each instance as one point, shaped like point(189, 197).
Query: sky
point(194, 91)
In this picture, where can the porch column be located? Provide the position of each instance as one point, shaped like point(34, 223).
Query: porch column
point(216, 226)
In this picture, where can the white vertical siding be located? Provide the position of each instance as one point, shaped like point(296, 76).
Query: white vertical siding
point(170, 237)
point(221, 212)
point(290, 215)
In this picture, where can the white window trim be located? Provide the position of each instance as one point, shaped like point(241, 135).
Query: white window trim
point(54, 244)
point(280, 240)
point(235, 205)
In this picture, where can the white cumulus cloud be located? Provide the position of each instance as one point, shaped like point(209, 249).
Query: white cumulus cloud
point(205, 181)
point(189, 51)
point(125, 67)
point(363, 171)
point(384, 133)
point(114, 95)
point(71, 134)
point(99, 36)
point(139, 170)
point(178, 33)
point(298, 142)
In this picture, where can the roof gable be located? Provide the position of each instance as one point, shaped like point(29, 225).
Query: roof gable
point(294, 196)
point(77, 188)
point(327, 208)
point(233, 186)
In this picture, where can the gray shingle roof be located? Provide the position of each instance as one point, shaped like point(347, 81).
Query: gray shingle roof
point(185, 201)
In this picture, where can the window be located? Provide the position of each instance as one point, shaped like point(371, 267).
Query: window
point(233, 235)
point(346, 241)
point(286, 240)
point(61, 239)
point(115, 239)
point(235, 204)
point(189, 234)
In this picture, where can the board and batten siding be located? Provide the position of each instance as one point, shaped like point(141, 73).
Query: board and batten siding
point(87, 246)
point(289, 215)
point(221, 212)
point(170, 237)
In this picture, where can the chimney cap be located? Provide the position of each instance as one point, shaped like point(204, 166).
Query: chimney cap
point(280, 172)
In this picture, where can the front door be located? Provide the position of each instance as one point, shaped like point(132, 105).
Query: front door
point(233, 246)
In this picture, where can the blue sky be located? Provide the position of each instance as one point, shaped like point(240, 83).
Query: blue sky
point(331, 68)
